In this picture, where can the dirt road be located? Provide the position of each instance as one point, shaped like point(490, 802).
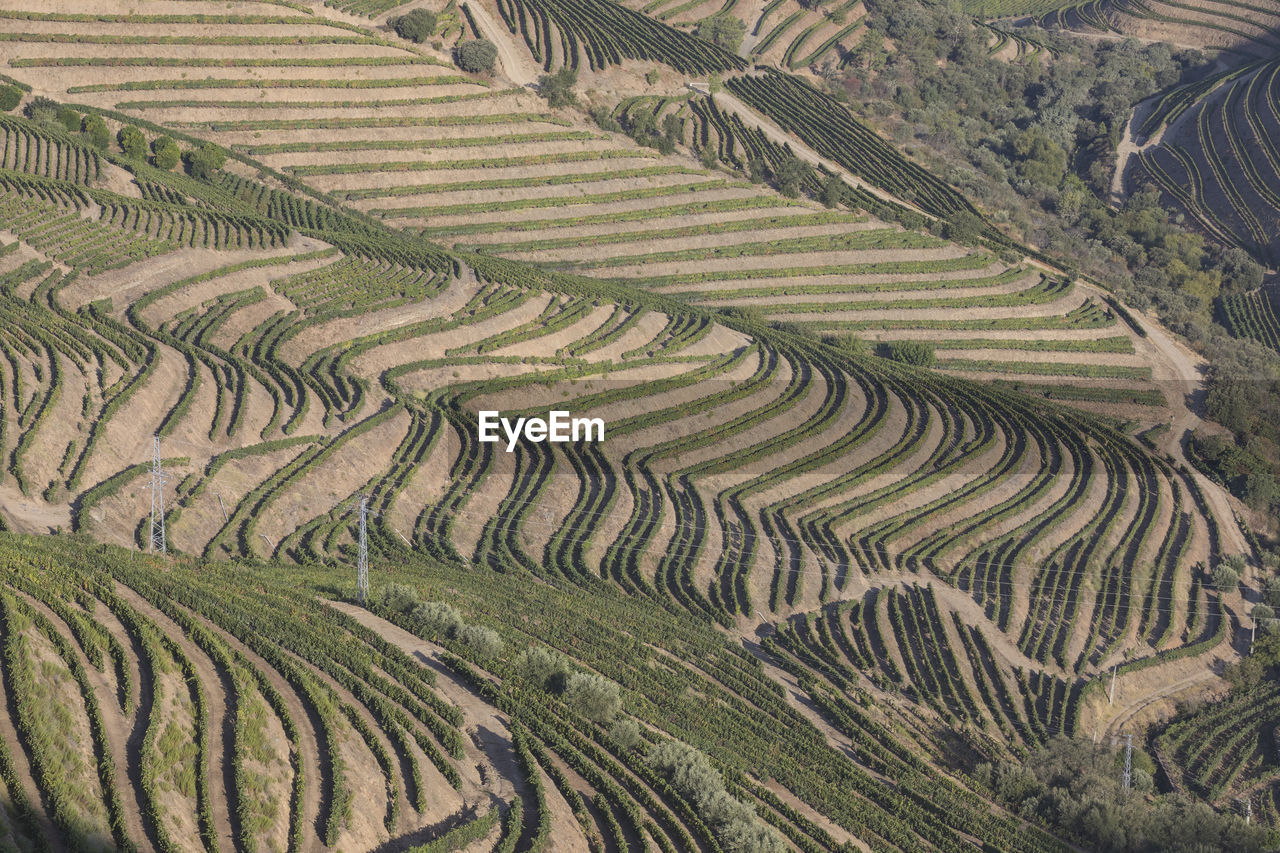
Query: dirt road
point(516, 62)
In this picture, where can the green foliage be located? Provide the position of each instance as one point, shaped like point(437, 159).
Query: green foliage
point(790, 176)
point(723, 30)
point(437, 618)
point(417, 26)
point(10, 97)
point(476, 56)
point(916, 353)
point(544, 667)
point(204, 161)
point(1073, 786)
point(557, 88)
point(735, 823)
point(165, 153)
point(133, 142)
point(484, 642)
point(594, 696)
point(834, 191)
point(1225, 578)
point(43, 111)
point(96, 129)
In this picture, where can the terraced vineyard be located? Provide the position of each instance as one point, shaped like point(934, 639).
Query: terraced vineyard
point(1216, 158)
point(1245, 29)
point(1252, 315)
point(1226, 751)
point(393, 246)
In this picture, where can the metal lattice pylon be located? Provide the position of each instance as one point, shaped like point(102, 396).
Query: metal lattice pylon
point(362, 570)
point(158, 477)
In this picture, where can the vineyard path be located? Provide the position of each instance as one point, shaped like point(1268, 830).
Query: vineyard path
point(485, 723)
point(1174, 363)
point(516, 64)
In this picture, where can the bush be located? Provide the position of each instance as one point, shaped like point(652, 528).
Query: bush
point(69, 119)
point(626, 734)
point(476, 56)
point(594, 696)
point(723, 30)
point(791, 176)
point(558, 88)
point(437, 618)
point(398, 597)
point(735, 823)
point(132, 142)
point(164, 153)
point(545, 667)
point(834, 191)
point(916, 353)
point(204, 161)
point(96, 129)
point(42, 110)
point(1225, 579)
point(417, 26)
point(10, 97)
point(485, 642)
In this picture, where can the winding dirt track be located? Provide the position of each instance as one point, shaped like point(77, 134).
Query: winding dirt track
point(487, 726)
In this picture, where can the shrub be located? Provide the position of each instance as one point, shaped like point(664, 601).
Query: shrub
point(96, 129)
point(545, 667)
point(485, 642)
point(476, 56)
point(204, 161)
point(69, 119)
point(626, 734)
point(723, 30)
point(791, 176)
point(42, 110)
point(132, 142)
point(557, 88)
point(417, 26)
point(735, 823)
point(398, 597)
point(593, 696)
point(916, 353)
point(437, 618)
point(834, 192)
point(1225, 579)
point(10, 97)
point(164, 153)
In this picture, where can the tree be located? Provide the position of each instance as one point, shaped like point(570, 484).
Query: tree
point(791, 175)
point(10, 97)
point(485, 642)
point(204, 161)
point(834, 192)
point(42, 110)
point(437, 618)
point(757, 170)
point(164, 153)
point(708, 157)
point(476, 56)
point(593, 696)
point(546, 668)
point(96, 129)
point(725, 31)
point(132, 142)
point(417, 26)
point(626, 734)
point(557, 88)
point(917, 353)
point(1225, 579)
point(398, 597)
